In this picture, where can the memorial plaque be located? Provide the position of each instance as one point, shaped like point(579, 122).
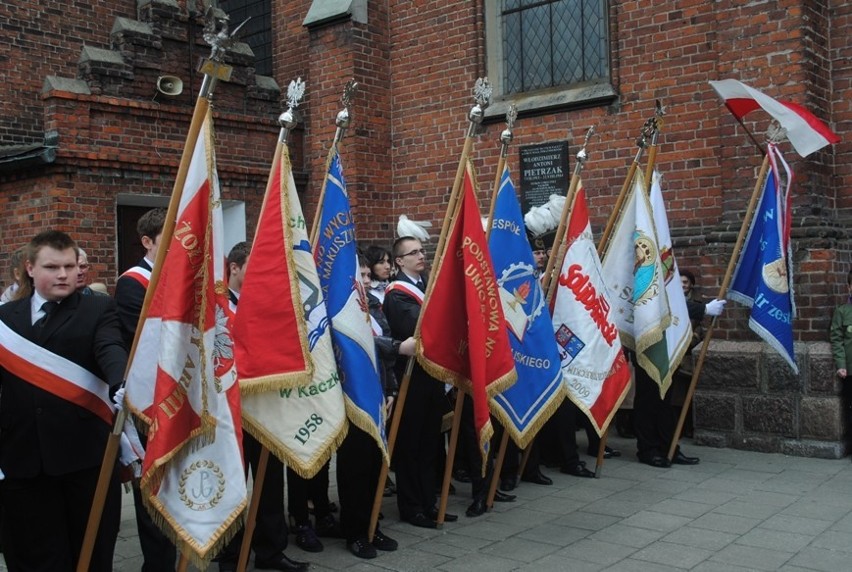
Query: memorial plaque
point(544, 172)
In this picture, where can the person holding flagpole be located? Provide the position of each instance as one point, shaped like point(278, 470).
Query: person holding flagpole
point(269, 539)
point(62, 355)
point(415, 454)
point(841, 344)
point(359, 460)
point(158, 552)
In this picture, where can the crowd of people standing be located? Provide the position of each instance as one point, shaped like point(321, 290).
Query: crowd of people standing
point(51, 449)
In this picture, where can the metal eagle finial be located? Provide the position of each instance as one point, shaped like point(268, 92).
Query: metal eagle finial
point(216, 33)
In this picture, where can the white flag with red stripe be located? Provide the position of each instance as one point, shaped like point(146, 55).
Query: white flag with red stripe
point(193, 481)
point(804, 130)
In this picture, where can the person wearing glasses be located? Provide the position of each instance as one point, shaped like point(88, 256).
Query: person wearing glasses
point(418, 439)
point(83, 286)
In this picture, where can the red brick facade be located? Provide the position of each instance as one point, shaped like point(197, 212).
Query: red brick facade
point(416, 62)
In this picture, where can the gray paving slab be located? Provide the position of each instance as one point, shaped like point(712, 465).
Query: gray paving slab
point(733, 512)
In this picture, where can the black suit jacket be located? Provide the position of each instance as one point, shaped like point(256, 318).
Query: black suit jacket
point(401, 309)
point(41, 433)
point(129, 297)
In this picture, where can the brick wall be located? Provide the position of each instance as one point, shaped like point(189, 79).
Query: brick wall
point(416, 61)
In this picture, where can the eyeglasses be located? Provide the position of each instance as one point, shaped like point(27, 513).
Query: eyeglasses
point(414, 253)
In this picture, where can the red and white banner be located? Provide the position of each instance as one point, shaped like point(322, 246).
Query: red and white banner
point(193, 480)
point(593, 364)
point(804, 130)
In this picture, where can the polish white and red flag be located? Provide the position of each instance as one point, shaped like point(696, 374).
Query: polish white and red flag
point(192, 481)
point(805, 131)
point(596, 373)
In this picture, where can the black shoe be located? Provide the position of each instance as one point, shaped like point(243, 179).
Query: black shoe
point(538, 478)
point(656, 461)
point(609, 453)
point(476, 508)
point(681, 459)
point(306, 538)
point(421, 520)
point(433, 514)
point(508, 483)
point(362, 548)
point(578, 469)
point(281, 562)
point(503, 497)
point(328, 527)
point(384, 543)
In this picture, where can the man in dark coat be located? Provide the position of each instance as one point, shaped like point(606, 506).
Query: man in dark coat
point(418, 437)
point(158, 552)
point(64, 352)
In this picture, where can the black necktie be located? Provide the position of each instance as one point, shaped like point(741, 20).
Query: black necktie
point(421, 285)
point(47, 308)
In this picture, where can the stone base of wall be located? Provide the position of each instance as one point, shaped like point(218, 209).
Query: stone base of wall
point(748, 398)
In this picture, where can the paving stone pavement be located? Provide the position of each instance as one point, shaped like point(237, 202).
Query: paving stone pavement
point(735, 511)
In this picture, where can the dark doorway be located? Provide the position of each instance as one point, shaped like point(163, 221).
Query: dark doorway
point(130, 249)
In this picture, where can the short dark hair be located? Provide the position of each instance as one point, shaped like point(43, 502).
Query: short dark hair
point(239, 253)
point(689, 276)
point(362, 260)
point(151, 223)
point(397, 245)
point(55, 239)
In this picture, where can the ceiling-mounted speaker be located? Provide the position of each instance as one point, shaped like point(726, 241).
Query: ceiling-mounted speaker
point(169, 85)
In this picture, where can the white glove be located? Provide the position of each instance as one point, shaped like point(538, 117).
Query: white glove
point(2, 475)
point(126, 454)
point(118, 399)
point(715, 307)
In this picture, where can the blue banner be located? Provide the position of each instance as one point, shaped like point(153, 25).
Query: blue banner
point(763, 279)
point(336, 257)
point(526, 405)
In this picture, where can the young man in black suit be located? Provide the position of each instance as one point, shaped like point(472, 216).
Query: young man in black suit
point(419, 434)
point(158, 552)
point(64, 353)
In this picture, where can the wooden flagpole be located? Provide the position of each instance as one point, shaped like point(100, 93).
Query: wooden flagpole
point(482, 95)
point(554, 263)
point(505, 139)
point(723, 290)
point(642, 142)
point(548, 285)
point(342, 122)
point(213, 70)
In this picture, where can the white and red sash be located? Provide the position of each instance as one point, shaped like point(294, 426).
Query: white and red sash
point(140, 274)
point(406, 288)
point(54, 374)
